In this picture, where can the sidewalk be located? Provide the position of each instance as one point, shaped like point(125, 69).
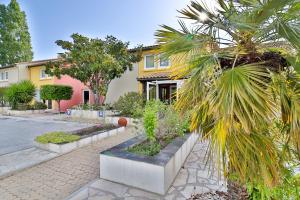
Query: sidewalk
point(12, 162)
point(58, 178)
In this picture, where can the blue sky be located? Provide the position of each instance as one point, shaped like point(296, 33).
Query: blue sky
point(129, 20)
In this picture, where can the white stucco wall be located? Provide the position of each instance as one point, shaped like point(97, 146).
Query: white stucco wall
point(15, 74)
point(119, 86)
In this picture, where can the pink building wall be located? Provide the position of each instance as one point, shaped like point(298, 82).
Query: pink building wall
point(78, 88)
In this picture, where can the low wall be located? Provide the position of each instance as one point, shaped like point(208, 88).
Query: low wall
point(154, 174)
point(65, 148)
point(107, 115)
point(22, 112)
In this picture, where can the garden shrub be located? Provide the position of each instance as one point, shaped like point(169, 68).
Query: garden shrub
point(171, 123)
point(2, 99)
point(130, 105)
point(20, 93)
point(39, 106)
point(56, 93)
point(150, 119)
point(287, 190)
point(57, 138)
point(162, 123)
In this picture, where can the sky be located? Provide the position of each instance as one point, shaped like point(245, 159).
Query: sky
point(134, 21)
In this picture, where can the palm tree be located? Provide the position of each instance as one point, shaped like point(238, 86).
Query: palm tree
point(243, 92)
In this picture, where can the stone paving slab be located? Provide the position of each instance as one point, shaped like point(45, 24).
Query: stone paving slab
point(196, 176)
point(59, 177)
point(10, 163)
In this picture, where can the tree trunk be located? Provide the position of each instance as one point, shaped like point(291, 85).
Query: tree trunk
point(97, 99)
point(58, 106)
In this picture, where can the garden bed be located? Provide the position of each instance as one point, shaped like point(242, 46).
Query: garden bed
point(86, 135)
point(152, 173)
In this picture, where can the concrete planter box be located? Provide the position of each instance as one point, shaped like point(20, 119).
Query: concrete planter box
point(22, 112)
point(65, 148)
point(154, 174)
point(88, 114)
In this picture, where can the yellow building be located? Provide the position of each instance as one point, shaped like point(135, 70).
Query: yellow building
point(154, 76)
point(38, 77)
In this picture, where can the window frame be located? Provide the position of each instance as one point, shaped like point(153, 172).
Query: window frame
point(145, 62)
point(4, 76)
point(164, 67)
point(46, 75)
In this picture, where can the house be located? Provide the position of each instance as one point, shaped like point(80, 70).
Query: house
point(120, 86)
point(37, 74)
point(153, 78)
point(12, 74)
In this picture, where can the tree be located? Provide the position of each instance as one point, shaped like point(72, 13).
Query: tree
point(239, 86)
point(94, 62)
point(15, 41)
point(56, 93)
point(20, 93)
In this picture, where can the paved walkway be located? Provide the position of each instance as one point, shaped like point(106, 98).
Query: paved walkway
point(12, 162)
point(58, 178)
point(193, 178)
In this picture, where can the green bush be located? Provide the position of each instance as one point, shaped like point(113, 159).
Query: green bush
point(39, 106)
point(287, 190)
point(56, 93)
point(20, 93)
point(56, 138)
point(130, 105)
point(2, 100)
point(171, 123)
point(150, 119)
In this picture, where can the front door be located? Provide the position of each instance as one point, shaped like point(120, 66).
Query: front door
point(86, 97)
point(49, 104)
point(167, 92)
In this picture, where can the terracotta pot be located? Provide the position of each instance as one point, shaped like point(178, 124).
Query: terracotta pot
point(122, 121)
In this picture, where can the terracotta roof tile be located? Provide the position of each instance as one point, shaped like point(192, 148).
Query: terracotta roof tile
point(155, 76)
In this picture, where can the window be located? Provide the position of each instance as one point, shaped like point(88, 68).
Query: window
point(149, 62)
point(43, 74)
point(4, 76)
point(164, 62)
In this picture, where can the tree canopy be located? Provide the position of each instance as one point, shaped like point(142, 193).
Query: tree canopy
point(15, 41)
point(56, 92)
point(95, 62)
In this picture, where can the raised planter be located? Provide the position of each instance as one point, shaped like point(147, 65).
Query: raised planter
point(65, 148)
point(154, 174)
point(22, 112)
point(88, 114)
point(107, 115)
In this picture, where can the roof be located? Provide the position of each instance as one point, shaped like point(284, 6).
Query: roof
point(155, 76)
point(30, 63)
point(144, 48)
point(39, 62)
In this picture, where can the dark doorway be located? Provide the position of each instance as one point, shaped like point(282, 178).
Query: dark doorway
point(166, 92)
point(49, 104)
point(86, 97)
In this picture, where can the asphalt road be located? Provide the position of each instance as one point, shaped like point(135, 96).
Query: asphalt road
point(17, 133)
